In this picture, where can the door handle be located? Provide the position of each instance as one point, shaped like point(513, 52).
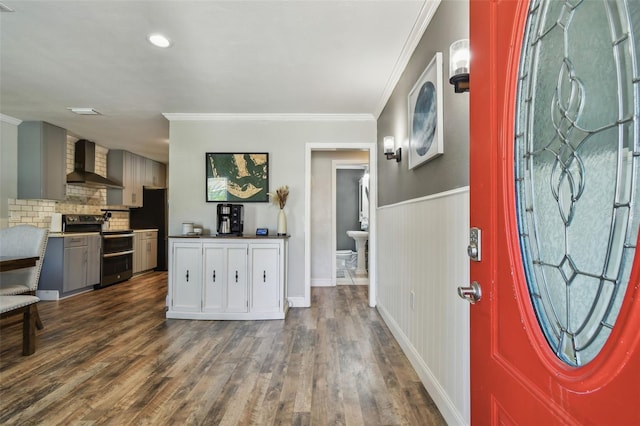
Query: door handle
point(471, 294)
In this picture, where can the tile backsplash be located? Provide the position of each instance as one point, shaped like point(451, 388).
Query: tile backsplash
point(80, 199)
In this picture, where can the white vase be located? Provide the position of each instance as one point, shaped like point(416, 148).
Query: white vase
point(282, 223)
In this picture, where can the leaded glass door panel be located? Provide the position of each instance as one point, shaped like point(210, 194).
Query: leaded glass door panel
point(555, 101)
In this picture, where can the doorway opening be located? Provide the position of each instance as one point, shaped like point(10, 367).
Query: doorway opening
point(324, 239)
point(350, 212)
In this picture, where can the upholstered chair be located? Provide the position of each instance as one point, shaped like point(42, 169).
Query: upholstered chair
point(22, 241)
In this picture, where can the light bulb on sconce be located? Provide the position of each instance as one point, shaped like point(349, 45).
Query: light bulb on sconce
point(389, 144)
point(459, 59)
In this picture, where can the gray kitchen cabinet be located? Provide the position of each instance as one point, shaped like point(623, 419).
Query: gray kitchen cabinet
point(145, 246)
point(75, 263)
point(126, 168)
point(133, 172)
point(71, 264)
point(137, 252)
point(42, 161)
point(151, 239)
point(155, 174)
point(94, 254)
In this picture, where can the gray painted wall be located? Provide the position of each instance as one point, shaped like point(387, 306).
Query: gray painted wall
point(347, 207)
point(396, 182)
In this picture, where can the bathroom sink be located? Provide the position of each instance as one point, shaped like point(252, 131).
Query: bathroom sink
point(358, 234)
point(361, 238)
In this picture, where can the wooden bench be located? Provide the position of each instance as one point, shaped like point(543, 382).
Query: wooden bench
point(27, 305)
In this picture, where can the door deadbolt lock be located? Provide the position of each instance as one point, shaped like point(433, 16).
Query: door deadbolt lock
point(472, 251)
point(475, 244)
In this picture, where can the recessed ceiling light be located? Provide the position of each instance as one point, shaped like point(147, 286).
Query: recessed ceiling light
point(84, 111)
point(159, 40)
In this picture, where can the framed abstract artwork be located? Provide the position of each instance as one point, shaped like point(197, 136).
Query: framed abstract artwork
point(425, 115)
point(237, 177)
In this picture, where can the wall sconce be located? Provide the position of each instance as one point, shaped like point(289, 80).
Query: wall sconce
point(389, 143)
point(459, 57)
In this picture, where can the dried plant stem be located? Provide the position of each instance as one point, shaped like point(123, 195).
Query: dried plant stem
point(280, 196)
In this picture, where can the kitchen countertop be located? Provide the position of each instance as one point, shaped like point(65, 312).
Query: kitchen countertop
point(234, 237)
point(71, 234)
point(145, 230)
point(84, 234)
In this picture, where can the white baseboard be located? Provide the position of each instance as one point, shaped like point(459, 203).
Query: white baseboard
point(321, 282)
point(48, 294)
point(297, 302)
point(443, 402)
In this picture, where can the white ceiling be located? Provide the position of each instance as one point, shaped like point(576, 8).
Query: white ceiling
point(227, 57)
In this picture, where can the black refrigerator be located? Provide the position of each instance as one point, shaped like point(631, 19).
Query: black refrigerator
point(153, 214)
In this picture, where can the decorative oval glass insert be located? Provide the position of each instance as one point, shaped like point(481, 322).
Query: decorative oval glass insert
point(576, 167)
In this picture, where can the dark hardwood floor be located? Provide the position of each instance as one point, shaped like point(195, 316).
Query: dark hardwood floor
point(111, 357)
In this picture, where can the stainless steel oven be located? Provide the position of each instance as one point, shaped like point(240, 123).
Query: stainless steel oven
point(117, 256)
point(117, 247)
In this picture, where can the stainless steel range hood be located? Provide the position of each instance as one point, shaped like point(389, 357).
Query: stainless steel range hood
point(84, 165)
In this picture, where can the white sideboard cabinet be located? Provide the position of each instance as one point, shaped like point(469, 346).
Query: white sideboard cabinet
point(236, 278)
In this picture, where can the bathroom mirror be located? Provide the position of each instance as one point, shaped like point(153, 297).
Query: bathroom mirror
point(363, 201)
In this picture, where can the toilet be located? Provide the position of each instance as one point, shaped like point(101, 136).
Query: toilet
point(346, 259)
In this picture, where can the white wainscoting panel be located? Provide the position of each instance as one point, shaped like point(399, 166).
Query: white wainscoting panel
point(422, 250)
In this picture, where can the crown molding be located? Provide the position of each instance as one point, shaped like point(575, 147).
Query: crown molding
point(10, 120)
point(267, 117)
point(427, 11)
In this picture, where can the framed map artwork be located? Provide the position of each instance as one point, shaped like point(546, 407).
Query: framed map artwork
point(237, 177)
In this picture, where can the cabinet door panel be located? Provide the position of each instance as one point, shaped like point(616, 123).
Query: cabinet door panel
point(187, 278)
point(138, 173)
point(237, 279)
point(160, 179)
point(42, 159)
point(265, 278)
point(93, 264)
point(137, 248)
point(128, 180)
point(154, 174)
point(148, 172)
point(214, 280)
point(152, 253)
point(125, 167)
point(75, 268)
point(55, 149)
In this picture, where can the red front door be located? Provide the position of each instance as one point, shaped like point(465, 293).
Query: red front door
point(516, 378)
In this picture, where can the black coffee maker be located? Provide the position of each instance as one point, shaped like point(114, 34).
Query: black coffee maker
point(230, 219)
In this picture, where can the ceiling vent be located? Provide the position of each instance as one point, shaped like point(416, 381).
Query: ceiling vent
point(84, 111)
